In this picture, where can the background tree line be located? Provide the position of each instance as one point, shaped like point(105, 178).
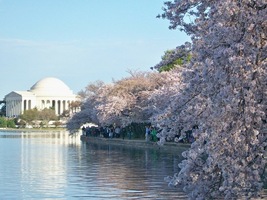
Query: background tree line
point(32, 117)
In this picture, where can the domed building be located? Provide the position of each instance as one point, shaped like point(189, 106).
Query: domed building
point(46, 93)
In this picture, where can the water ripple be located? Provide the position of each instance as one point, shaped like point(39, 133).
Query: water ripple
point(54, 166)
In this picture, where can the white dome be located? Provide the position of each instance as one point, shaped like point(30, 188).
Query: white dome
point(50, 87)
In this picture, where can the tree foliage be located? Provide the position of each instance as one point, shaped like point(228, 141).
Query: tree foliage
point(3, 110)
point(123, 102)
point(30, 115)
point(3, 122)
point(11, 123)
point(174, 58)
point(126, 100)
point(44, 115)
point(224, 94)
point(7, 123)
point(88, 112)
point(74, 106)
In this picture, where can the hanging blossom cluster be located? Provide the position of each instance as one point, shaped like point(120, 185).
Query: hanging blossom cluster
point(161, 102)
point(224, 95)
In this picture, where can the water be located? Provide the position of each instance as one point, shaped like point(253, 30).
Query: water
point(52, 165)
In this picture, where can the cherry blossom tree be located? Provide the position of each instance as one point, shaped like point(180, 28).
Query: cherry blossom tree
point(126, 101)
point(225, 94)
point(88, 113)
point(123, 102)
point(161, 101)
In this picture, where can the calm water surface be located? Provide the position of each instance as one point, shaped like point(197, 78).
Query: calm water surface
point(53, 165)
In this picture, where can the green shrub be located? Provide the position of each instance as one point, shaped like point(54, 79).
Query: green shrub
point(3, 122)
point(11, 123)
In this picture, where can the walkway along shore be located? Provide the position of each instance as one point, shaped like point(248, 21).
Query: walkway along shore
point(168, 146)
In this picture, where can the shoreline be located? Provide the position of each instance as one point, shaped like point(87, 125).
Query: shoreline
point(31, 129)
point(133, 143)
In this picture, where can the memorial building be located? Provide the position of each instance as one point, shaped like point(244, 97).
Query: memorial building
point(46, 93)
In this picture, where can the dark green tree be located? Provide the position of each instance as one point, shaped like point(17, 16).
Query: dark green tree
point(175, 57)
point(3, 110)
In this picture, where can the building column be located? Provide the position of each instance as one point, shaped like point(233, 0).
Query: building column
point(22, 106)
point(16, 108)
point(12, 108)
point(8, 108)
point(56, 107)
point(61, 107)
point(29, 104)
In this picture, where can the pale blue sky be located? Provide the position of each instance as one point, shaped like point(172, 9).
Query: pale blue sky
point(80, 41)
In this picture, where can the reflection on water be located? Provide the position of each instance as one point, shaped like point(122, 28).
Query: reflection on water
point(53, 165)
point(129, 173)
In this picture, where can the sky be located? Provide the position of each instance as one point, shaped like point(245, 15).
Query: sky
point(80, 41)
